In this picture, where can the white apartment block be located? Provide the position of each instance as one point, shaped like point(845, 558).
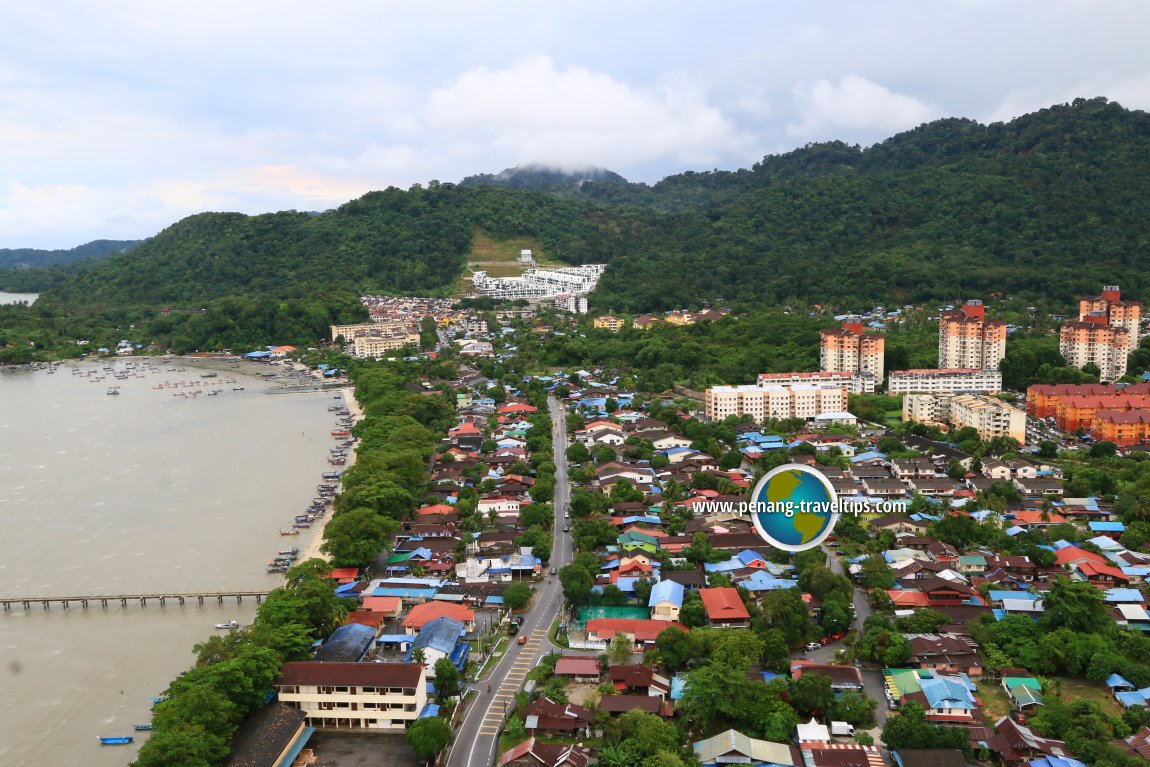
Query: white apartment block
point(540, 283)
point(384, 697)
point(775, 401)
point(571, 302)
point(855, 383)
point(375, 346)
point(988, 416)
point(944, 381)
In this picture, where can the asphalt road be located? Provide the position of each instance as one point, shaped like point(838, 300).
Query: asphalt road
point(477, 737)
point(871, 679)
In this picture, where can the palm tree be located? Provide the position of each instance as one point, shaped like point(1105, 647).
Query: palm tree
point(419, 655)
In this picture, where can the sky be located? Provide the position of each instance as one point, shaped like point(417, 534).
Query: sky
point(121, 117)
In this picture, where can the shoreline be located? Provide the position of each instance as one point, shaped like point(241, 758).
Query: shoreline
point(311, 550)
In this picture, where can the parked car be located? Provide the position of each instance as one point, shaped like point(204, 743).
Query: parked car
point(812, 646)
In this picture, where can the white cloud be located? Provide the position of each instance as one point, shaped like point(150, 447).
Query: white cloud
point(1132, 92)
point(533, 111)
point(852, 104)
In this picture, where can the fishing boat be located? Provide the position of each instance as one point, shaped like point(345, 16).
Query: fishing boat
point(160, 699)
point(237, 388)
point(289, 532)
point(341, 433)
point(301, 525)
point(122, 740)
point(113, 392)
point(141, 727)
point(232, 624)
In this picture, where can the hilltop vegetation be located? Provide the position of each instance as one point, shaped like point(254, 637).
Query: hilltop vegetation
point(29, 270)
point(1046, 207)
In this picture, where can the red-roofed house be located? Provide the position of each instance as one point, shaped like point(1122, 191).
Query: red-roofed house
point(435, 509)
point(1072, 555)
point(429, 611)
point(366, 618)
point(580, 668)
point(530, 753)
point(638, 630)
point(725, 608)
point(1105, 576)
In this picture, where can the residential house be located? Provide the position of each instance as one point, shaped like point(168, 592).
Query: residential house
point(639, 679)
point(532, 753)
point(371, 696)
point(421, 614)
point(725, 608)
point(733, 747)
point(665, 601)
point(579, 668)
point(440, 638)
point(544, 715)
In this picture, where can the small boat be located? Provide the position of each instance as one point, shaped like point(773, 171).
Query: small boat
point(289, 532)
point(117, 741)
point(141, 727)
point(208, 375)
point(232, 624)
point(341, 433)
point(301, 525)
point(237, 388)
point(160, 699)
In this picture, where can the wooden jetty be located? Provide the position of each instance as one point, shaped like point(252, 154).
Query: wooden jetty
point(104, 600)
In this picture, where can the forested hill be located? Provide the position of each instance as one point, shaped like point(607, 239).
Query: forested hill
point(1050, 204)
point(543, 179)
point(33, 258)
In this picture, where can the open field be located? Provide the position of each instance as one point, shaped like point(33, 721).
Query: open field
point(499, 258)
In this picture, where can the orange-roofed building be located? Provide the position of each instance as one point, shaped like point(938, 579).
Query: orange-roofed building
point(1029, 518)
point(366, 618)
point(390, 607)
point(1078, 412)
point(343, 575)
point(429, 611)
point(908, 598)
point(517, 407)
point(436, 509)
point(1071, 555)
point(1122, 427)
point(725, 608)
point(640, 631)
point(1042, 399)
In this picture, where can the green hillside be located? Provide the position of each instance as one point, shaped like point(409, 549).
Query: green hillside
point(1051, 204)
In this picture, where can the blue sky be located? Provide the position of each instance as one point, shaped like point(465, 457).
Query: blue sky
point(121, 117)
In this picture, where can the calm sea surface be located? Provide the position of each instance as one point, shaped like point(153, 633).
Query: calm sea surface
point(139, 492)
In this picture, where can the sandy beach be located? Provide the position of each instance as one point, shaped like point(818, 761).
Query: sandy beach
point(311, 550)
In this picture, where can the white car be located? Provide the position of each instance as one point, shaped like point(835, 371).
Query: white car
point(812, 646)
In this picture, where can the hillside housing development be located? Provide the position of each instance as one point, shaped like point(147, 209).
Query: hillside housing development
point(537, 284)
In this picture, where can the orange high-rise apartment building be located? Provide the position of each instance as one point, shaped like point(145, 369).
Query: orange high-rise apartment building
point(847, 349)
point(1105, 332)
point(966, 339)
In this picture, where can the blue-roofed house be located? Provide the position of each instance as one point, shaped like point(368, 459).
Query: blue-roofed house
point(1117, 683)
point(665, 601)
point(1118, 596)
point(439, 638)
point(947, 697)
point(870, 455)
point(1106, 528)
point(1134, 698)
point(347, 644)
point(1056, 761)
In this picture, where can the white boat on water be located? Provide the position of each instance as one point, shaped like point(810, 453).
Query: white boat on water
point(233, 624)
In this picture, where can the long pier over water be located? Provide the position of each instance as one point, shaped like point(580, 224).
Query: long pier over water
point(104, 600)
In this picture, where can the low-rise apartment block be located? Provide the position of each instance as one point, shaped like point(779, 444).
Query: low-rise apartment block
point(385, 697)
point(847, 349)
point(990, 417)
point(966, 339)
point(944, 381)
point(855, 383)
point(775, 401)
point(608, 322)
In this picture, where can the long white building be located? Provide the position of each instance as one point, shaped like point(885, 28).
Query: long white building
point(855, 383)
point(540, 283)
point(944, 381)
point(775, 401)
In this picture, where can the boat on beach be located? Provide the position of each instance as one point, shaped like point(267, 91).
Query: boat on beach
point(289, 532)
point(141, 727)
point(122, 740)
